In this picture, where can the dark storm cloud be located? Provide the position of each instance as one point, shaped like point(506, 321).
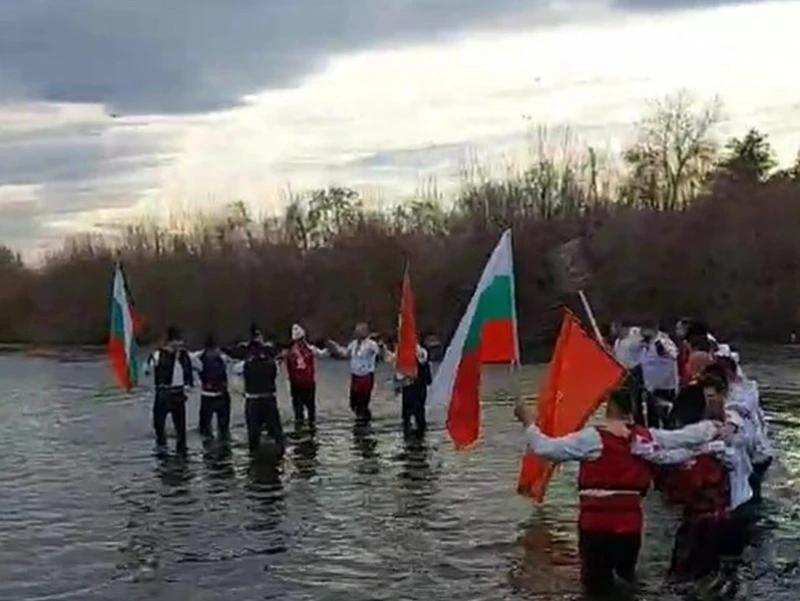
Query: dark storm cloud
point(175, 56)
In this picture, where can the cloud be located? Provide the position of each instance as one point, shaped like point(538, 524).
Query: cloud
point(184, 56)
point(222, 100)
point(151, 56)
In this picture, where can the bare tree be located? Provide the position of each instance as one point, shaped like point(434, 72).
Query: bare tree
point(675, 151)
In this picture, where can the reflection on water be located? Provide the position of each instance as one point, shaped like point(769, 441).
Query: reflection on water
point(365, 446)
point(349, 513)
point(304, 458)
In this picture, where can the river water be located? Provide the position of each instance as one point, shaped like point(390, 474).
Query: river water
point(87, 512)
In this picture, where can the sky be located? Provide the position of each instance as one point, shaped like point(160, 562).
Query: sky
point(112, 110)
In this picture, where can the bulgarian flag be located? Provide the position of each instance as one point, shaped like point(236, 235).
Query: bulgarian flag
point(125, 324)
point(487, 334)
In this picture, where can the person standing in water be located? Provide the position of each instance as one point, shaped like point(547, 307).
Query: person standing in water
point(659, 361)
point(363, 354)
point(215, 399)
point(260, 370)
point(300, 360)
point(614, 475)
point(172, 372)
point(414, 393)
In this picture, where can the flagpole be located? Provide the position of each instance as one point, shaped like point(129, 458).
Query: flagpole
point(588, 308)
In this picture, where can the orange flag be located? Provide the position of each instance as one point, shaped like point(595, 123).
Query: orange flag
point(581, 373)
point(406, 360)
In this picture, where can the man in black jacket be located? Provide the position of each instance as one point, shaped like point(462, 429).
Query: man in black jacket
point(212, 365)
point(260, 370)
point(172, 370)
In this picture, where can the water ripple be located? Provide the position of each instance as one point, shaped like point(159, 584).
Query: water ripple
point(89, 512)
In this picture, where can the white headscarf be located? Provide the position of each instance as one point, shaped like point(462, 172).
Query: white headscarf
point(298, 333)
point(725, 350)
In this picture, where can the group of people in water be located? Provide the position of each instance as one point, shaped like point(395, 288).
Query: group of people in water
point(175, 369)
point(688, 420)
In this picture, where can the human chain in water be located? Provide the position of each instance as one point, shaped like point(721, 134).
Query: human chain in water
point(175, 369)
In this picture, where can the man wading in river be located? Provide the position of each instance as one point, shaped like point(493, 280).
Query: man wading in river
point(614, 475)
point(300, 360)
point(260, 369)
point(172, 371)
point(215, 399)
point(414, 392)
point(363, 353)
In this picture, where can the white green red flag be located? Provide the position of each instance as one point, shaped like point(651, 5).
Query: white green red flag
point(125, 322)
point(487, 334)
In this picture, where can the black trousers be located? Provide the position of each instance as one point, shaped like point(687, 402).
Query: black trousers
point(736, 534)
point(604, 555)
point(172, 402)
point(757, 478)
point(304, 402)
point(656, 415)
point(414, 398)
point(219, 406)
point(262, 413)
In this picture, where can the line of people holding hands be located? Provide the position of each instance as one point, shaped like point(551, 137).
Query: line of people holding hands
point(176, 369)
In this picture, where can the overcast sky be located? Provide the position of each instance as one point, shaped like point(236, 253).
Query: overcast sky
point(115, 108)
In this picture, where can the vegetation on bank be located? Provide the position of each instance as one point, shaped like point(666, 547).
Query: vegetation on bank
point(686, 226)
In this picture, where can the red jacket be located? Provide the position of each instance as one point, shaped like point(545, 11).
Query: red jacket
point(300, 364)
point(683, 363)
point(612, 486)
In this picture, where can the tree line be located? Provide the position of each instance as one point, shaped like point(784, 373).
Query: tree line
point(681, 225)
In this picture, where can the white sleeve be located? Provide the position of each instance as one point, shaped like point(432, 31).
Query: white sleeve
point(669, 345)
point(151, 362)
point(194, 357)
point(584, 444)
point(688, 437)
point(375, 348)
point(238, 368)
point(651, 452)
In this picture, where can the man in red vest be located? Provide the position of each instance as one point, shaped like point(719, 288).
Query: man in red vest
point(300, 360)
point(614, 475)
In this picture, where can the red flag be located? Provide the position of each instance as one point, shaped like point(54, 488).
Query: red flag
point(581, 373)
point(406, 361)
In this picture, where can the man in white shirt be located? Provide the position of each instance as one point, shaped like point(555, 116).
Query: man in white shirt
point(613, 477)
point(659, 362)
point(363, 354)
point(627, 344)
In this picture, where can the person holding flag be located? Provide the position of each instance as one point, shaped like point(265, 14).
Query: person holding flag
point(410, 360)
point(614, 475)
point(615, 456)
